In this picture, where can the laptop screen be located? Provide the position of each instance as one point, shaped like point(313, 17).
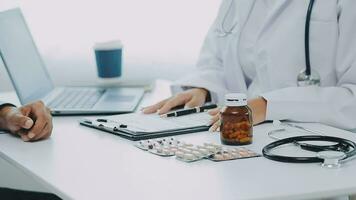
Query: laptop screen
point(22, 59)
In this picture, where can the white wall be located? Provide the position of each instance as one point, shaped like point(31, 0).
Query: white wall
point(162, 38)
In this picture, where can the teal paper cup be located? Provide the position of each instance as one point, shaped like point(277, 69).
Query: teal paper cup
point(108, 56)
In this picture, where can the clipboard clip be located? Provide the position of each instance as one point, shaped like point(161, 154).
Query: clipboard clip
point(115, 128)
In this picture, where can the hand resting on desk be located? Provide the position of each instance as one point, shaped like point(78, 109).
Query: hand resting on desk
point(189, 98)
point(31, 122)
point(196, 97)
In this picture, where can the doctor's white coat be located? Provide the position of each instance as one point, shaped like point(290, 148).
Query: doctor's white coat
point(279, 56)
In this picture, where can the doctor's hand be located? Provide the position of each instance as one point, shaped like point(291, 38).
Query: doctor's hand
point(189, 98)
point(257, 105)
point(31, 122)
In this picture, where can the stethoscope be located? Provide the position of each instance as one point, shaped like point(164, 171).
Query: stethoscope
point(307, 77)
point(329, 155)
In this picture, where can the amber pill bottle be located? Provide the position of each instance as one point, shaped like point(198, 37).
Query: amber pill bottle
point(236, 120)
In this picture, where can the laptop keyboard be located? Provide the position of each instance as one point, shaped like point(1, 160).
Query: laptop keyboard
point(77, 98)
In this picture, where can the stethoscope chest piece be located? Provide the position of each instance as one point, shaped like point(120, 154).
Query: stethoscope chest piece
point(331, 158)
point(304, 79)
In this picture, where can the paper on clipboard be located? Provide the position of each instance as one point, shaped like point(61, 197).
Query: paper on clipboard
point(138, 122)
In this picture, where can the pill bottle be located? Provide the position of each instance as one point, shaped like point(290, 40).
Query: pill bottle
point(236, 120)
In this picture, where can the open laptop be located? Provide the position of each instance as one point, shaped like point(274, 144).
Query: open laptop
point(32, 81)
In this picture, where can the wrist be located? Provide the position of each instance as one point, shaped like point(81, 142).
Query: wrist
point(5, 110)
point(205, 93)
point(259, 109)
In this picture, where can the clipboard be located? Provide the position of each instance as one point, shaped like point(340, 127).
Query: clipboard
point(137, 126)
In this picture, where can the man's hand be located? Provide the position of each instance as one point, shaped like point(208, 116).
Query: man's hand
point(190, 98)
point(257, 105)
point(31, 122)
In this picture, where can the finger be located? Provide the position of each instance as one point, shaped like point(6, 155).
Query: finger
point(50, 126)
point(22, 121)
point(171, 103)
point(154, 108)
point(23, 134)
point(25, 110)
point(194, 102)
point(214, 119)
point(47, 130)
point(36, 130)
point(25, 138)
point(44, 132)
point(214, 111)
point(215, 126)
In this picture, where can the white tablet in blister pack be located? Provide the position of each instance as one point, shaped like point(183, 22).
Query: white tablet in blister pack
point(190, 153)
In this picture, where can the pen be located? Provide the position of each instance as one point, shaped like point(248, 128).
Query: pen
point(189, 111)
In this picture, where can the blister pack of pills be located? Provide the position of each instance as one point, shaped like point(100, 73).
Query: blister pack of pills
point(190, 153)
point(233, 153)
point(194, 153)
point(161, 147)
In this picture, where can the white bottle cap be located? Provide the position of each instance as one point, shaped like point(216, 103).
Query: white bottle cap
point(235, 99)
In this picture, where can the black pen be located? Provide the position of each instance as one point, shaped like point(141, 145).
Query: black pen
point(189, 111)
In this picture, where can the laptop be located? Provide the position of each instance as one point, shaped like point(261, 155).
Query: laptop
point(32, 81)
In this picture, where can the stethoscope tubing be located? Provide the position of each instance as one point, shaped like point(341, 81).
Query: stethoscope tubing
point(306, 38)
point(344, 142)
point(224, 33)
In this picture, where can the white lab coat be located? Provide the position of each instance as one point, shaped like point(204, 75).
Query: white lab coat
point(280, 56)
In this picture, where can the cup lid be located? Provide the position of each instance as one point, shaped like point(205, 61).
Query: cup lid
point(108, 45)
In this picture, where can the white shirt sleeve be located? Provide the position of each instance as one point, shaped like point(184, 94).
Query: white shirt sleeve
point(335, 106)
point(209, 69)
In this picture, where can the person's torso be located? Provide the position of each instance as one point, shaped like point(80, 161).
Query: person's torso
point(267, 45)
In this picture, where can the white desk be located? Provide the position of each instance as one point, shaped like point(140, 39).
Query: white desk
point(82, 163)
